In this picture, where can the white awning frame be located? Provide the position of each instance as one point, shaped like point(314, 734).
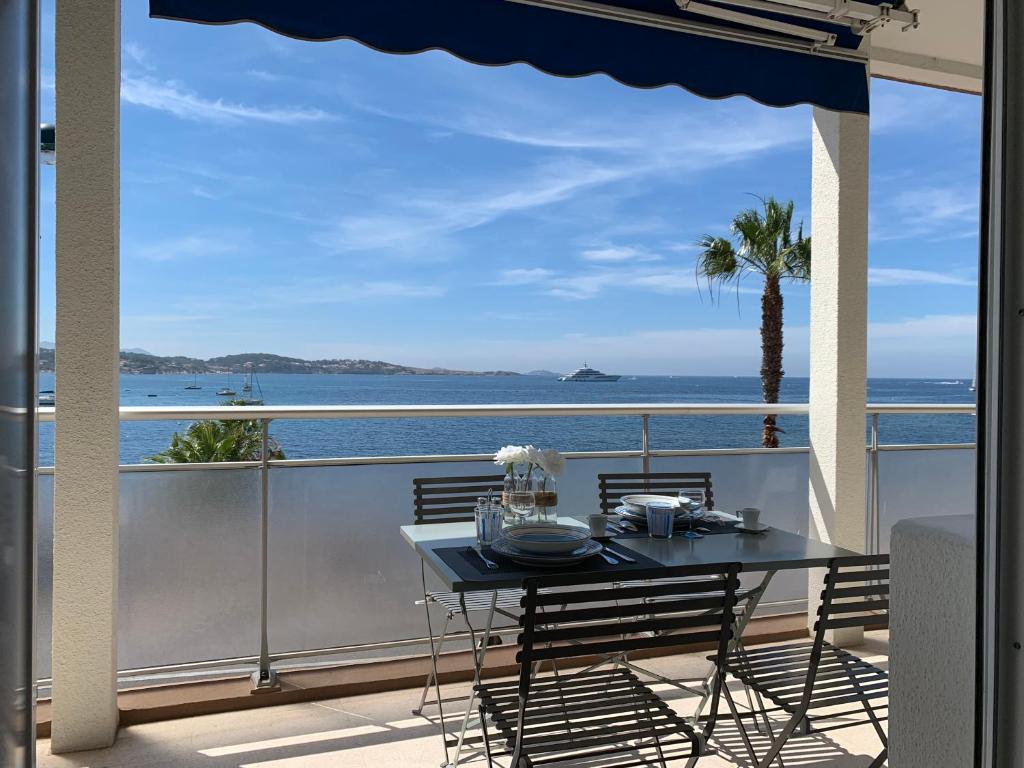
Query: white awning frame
point(860, 17)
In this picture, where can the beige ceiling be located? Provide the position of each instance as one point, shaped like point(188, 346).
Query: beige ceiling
point(944, 51)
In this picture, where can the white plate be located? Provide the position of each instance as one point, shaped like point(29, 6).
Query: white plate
point(680, 522)
point(722, 517)
point(543, 539)
point(637, 501)
point(591, 548)
point(759, 528)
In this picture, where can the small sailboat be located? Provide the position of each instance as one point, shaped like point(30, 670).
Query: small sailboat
point(250, 379)
point(974, 385)
point(226, 392)
point(195, 382)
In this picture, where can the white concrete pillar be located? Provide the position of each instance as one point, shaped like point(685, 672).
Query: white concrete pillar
point(839, 284)
point(88, 74)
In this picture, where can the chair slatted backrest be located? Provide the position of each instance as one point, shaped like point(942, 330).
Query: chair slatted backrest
point(451, 499)
point(612, 487)
point(570, 616)
point(856, 593)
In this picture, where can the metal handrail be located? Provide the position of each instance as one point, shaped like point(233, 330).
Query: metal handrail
point(492, 410)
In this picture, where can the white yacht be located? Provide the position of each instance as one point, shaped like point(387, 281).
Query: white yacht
point(587, 374)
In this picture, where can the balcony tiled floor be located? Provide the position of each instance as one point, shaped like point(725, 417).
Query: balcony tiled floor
point(378, 731)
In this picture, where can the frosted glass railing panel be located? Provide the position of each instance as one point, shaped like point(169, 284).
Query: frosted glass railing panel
point(190, 566)
point(924, 484)
point(44, 573)
point(775, 483)
point(340, 573)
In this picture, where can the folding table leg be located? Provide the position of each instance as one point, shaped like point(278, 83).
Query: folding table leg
point(433, 663)
point(431, 676)
point(479, 653)
point(753, 598)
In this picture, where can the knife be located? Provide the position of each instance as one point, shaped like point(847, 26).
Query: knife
point(620, 555)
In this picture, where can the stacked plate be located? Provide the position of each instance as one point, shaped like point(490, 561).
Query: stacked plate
point(546, 545)
point(634, 508)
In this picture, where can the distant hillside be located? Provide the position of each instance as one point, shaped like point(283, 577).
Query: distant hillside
point(549, 374)
point(144, 363)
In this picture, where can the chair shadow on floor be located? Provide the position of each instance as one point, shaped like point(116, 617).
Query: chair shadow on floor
point(815, 749)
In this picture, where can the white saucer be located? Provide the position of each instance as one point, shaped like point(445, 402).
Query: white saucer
point(759, 528)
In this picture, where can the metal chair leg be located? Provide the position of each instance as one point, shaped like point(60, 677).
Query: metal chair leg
point(430, 675)
point(487, 737)
point(879, 761)
point(779, 742)
point(739, 721)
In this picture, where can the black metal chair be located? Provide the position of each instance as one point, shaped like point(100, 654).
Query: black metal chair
point(612, 487)
point(606, 714)
point(452, 500)
point(816, 681)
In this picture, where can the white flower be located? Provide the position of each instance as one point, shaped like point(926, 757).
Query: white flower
point(511, 454)
point(533, 455)
point(552, 462)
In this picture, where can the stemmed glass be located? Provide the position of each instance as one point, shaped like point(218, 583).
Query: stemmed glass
point(685, 499)
point(522, 503)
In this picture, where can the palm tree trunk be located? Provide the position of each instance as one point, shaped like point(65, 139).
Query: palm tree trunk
point(771, 354)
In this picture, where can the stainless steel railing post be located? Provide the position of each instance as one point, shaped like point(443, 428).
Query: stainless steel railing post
point(873, 539)
point(264, 679)
point(646, 443)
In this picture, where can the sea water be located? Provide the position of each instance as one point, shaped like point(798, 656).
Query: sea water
point(394, 437)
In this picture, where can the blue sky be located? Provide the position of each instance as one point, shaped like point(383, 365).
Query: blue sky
point(326, 200)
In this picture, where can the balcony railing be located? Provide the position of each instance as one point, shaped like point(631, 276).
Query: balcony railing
point(280, 562)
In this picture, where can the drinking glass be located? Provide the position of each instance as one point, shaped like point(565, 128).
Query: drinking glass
point(522, 503)
point(660, 519)
point(488, 518)
point(688, 496)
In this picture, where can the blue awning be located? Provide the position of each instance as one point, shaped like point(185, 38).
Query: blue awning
point(715, 48)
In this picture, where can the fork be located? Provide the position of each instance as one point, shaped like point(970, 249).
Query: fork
point(489, 563)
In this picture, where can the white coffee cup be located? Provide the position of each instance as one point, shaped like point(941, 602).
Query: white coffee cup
point(751, 516)
point(598, 525)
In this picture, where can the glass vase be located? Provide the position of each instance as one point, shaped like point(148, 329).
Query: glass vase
point(545, 491)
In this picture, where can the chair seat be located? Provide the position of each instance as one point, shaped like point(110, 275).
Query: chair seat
point(476, 601)
point(603, 711)
point(779, 673)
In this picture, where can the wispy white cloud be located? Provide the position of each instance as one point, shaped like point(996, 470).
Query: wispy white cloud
point(938, 210)
point(937, 331)
point(525, 276)
point(174, 98)
point(190, 246)
point(266, 77)
point(340, 291)
point(888, 277)
point(619, 253)
point(137, 54)
point(415, 222)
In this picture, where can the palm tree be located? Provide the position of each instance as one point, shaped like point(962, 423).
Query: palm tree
point(762, 243)
point(215, 441)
